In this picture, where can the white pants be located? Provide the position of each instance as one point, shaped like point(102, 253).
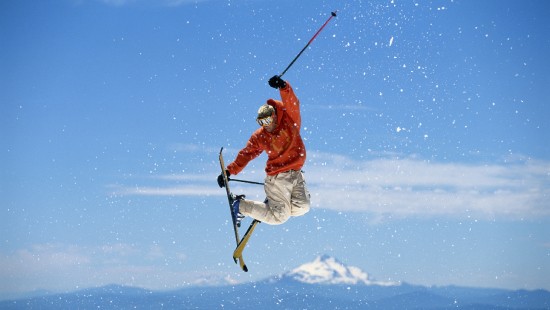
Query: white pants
point(287, 196)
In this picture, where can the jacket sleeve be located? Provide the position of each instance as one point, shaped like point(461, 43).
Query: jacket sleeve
point(291, 103)
point(252, 150)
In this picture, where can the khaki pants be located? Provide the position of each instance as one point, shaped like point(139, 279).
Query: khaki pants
point(287, 196)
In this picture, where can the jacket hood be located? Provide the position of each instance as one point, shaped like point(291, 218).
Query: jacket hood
point(273, 103)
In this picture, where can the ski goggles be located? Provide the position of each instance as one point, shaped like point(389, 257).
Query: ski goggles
point(265, 121)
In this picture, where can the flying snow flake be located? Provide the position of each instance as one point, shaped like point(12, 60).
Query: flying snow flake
point(391, 41)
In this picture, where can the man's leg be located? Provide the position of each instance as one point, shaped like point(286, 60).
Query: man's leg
point(278, 208)
point(300, 198)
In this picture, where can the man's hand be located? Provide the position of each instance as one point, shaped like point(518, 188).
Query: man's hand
point(221, 182)
point(277, 82)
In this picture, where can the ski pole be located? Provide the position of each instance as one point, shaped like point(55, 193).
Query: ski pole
point(244, 181)
point(332, 14)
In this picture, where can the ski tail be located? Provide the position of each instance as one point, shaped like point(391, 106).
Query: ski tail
point(242, 244)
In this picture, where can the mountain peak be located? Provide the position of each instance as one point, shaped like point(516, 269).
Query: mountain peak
point(326, 269)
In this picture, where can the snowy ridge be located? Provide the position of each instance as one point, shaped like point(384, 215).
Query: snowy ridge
point(328, 270)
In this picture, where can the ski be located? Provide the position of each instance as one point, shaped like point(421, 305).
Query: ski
point(241, 243)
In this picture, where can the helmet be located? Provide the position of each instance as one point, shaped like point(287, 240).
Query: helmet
point(265, 111)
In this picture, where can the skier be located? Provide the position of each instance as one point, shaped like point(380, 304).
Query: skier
point(279, 136)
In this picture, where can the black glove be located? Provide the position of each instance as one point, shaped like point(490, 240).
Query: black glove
point(221, 182)
point(277, 82)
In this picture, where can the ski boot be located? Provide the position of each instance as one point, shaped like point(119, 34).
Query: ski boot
point(237, 216)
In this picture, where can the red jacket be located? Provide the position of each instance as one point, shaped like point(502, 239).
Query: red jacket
point(284, 146)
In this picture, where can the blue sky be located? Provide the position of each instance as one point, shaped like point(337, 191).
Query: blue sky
point(426, 124)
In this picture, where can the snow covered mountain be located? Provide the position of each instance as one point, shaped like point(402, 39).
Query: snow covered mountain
point(328, 270)
point(324, 283)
